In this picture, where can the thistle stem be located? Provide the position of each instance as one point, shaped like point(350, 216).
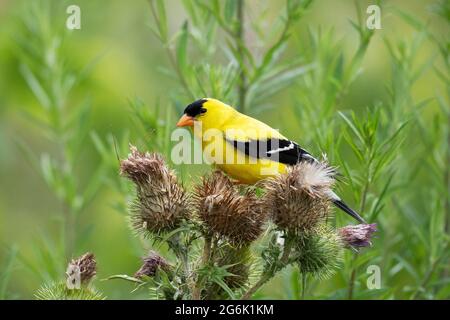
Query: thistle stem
point(196, 294)
point(264, 278)
point(267, 275)
point(304, 285)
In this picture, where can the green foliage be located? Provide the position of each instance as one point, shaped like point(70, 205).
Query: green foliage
point(230, 70)
point(64, 122)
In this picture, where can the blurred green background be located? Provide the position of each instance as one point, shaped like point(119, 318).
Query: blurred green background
point(68, 96)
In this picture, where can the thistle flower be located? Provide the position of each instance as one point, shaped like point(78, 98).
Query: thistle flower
point(298, 200)
point(152, 263)
point(161, 203)
point(80, 271)
point(239, 218)
point(318, 252)
point(357, 236)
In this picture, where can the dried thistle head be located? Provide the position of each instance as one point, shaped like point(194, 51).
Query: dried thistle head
point(80, 271)
point(152, 263)
point(237, 217)
point(357, 236)
point(161, 203)
point(319, 251)
point(298, 200)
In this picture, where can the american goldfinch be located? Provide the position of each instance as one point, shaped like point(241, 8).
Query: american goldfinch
point(246, 149)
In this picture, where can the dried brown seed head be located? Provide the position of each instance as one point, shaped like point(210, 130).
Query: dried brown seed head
point(299, 199)
point(80, 271)
point(161, 203)
point(237, 217)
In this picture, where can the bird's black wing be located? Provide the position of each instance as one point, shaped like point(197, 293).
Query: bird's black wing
point(279, 150)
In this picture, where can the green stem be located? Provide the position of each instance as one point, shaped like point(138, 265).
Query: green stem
point(304, 276)
point(447, 178)
point(269, 274)
point(172, 59)
point(351, 285)
point(196, 294)
point(242, 89)
point(259, 284)
point(429, 274)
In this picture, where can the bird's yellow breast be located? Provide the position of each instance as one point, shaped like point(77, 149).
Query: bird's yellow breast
point(238, 165)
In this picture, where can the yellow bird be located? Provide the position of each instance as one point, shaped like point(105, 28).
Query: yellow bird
point(246, 149)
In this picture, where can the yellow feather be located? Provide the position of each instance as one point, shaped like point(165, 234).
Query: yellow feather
point(236, 126)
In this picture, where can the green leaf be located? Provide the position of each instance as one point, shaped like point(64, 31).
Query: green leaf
point(7, 268)
point(162, 19)
point(123, 277)
point(181, 47)
point(35, 86)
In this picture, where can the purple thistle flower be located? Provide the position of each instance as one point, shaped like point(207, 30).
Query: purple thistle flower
point(357, 236)
point(152, 263)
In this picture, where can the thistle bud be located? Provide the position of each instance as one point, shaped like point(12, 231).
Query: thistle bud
point(357, 236)
point(59, 291)
point(239, 218)
point(80, 271)
point(318, 252)
point(161, 203)
point(152, 263)
point(298, 200)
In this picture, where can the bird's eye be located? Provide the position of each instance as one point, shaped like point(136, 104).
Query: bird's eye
point(202, 110)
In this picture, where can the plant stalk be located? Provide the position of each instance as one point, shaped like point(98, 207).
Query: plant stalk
point(351, 285)
point(268, 274)
point(196, 294)
point(242, 88)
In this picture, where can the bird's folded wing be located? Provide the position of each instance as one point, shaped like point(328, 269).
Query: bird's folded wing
point(279, 150)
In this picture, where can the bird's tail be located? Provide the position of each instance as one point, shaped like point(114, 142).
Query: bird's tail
point(341, 205)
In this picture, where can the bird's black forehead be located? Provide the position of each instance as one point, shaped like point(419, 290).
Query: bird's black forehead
point(195, 108)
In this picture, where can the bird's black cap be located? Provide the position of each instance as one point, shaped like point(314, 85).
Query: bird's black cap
point(195, 108)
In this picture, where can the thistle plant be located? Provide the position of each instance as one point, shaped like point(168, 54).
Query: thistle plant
point(226, 221)
point(78, 285)
point(161, 204)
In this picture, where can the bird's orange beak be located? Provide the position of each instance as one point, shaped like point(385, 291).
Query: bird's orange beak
point(185, 121)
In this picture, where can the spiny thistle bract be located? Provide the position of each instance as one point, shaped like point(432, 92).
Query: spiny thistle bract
point(238, 217)
point(318, 252)
point(298, 200)
point(357, 236)
point(238, 261)
point(152, 263)
point(161, 204)
point(59, 291)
